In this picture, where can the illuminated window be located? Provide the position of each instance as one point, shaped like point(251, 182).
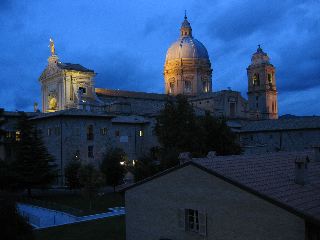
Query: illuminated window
point(205, 86)
point(90, 132)
point(18, 136)
point(103, 131)
point(171, 88)
point(90, 151)
point(9, 135)
point(140, 133)
point(269, 77)
point(256, 80)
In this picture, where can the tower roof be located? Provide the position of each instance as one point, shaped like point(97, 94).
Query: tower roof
point(260, 57)
point(186, 46)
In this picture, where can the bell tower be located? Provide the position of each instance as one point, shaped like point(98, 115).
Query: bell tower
point(262, 92)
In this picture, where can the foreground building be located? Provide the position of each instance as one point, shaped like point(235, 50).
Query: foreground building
point(267, 196)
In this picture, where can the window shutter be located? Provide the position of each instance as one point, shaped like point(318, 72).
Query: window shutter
point(202, 223)
point(182, 219)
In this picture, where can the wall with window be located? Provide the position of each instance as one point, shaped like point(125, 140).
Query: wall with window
point(191, 204)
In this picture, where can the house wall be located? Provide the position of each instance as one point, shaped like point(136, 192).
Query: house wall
point(152, 210)
point(273, 141)
point(67, 136)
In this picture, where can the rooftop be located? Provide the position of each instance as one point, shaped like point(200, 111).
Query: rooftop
point(281, 124)
point(101, 92)
point(76, 67)
point(272, 176)
point(269, 176)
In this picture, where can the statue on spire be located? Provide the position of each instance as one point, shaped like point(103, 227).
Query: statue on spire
point(51, 46)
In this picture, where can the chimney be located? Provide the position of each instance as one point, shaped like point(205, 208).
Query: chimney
point(211, 154)
point(316, 153)
point(301, 170)
point(184, 157)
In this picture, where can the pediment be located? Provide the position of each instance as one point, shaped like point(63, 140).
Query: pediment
point(50, 71)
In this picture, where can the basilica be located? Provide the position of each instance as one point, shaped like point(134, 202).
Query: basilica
point(187, 71)
point(79, 120)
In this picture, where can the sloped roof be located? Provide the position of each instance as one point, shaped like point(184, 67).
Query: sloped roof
point(269, 176)
point(76, 67)
point(272, 175)
point(281, 124)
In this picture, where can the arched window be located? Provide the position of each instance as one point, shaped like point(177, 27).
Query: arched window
point(256, 79)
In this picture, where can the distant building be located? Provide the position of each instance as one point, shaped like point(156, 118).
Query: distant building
point(268, 196)
point(79, 119)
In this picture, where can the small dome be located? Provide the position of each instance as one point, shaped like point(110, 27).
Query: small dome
point(259, 57)
point(187, 47)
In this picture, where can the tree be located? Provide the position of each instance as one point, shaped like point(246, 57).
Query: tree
point(91, 180)
point(111, 166)
point(176, 126)
point(180, 130)
point(217, 136)
point(34, 166)
point(13, 226)
point(144, 167)
point(71, 172)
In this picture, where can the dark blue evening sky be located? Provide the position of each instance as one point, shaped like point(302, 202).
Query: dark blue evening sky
point(125, 42)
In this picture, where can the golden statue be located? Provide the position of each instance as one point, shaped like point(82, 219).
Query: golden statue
point(52, 50)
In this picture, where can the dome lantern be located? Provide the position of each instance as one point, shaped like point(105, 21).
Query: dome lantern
point(186, 29)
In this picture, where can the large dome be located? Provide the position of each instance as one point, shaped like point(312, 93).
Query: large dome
point(187, 47)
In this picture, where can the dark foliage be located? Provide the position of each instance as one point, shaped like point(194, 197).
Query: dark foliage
point(180, 130)
point(111, 167)
point(217, 136)
point(34, 166)
point(2, 131)
point(71, 172)
point(13, 226)
point(91, 180)
point(144, 167)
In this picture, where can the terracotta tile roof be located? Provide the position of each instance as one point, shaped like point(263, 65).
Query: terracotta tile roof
point(272, 175)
